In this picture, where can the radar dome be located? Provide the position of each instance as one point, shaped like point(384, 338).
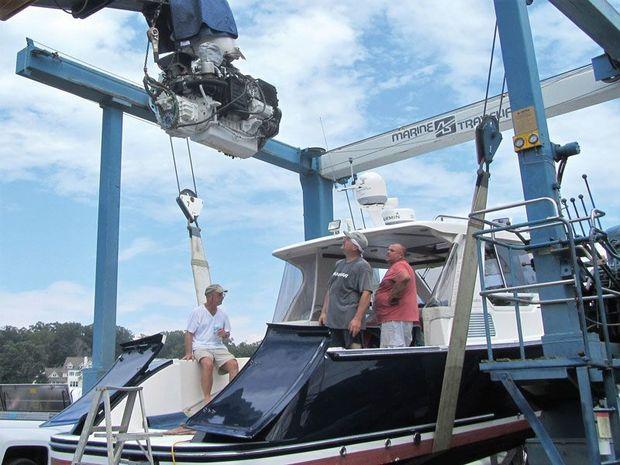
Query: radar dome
point(371, 189)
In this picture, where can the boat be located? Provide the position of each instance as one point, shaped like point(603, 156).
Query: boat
point(298, 400)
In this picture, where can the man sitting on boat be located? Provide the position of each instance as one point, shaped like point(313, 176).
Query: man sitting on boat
point(396, 300)
point(207, 328)
point(348, 296)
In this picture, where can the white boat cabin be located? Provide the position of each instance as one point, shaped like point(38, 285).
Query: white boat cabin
point(434, 250)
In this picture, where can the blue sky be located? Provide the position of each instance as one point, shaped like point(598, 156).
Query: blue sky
point(361, 67)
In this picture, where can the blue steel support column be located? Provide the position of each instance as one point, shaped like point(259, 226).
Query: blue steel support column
point(317, 196)
point(538, 176)
point(104, 327)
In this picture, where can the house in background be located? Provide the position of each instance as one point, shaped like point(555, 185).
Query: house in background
point(55, 375)
point(70, 373)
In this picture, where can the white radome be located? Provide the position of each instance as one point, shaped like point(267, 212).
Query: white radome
point(371, 189)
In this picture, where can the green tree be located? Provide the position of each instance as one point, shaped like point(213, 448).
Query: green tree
point(174, 347)
point(243, 349)
point(122, 335)
point(20, 361)
point(25, 352)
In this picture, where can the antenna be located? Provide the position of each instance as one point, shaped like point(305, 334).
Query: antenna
point(323, 130)
point(583, 204)
point(347, 192)
point(585, 180)
point(564, 202)
point(572, 200)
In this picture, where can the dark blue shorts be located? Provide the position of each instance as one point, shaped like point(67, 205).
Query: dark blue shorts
point(343, 338)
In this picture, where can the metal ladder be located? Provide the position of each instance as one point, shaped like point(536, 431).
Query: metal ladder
point(597, 365)
point(116, 436)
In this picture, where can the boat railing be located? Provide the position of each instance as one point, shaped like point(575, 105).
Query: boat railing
point(450, 217)
point(586, 259)
point(590, 272)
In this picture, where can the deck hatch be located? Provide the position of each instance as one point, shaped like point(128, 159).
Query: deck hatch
point(282, 364)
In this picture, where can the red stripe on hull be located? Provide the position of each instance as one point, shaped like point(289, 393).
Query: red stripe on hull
point(409, 451)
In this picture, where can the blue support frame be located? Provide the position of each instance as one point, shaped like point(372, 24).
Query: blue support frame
point(116, 97)
point(106, 278)
point(563, 335)
point(54, 70)
point(541, 433)
point(317, 196)
point(605, 69)
point(538, 177)
point(598, 19)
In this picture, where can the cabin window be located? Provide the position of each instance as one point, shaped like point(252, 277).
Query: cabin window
point(444, 289)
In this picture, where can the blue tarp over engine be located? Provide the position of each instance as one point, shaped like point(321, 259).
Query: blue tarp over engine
point(189, 17)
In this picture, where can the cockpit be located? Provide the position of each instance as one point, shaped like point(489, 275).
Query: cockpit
point(433, 250)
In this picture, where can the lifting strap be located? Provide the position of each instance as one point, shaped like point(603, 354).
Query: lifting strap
point(199, 263)
point(460, 324)
point(200, 266)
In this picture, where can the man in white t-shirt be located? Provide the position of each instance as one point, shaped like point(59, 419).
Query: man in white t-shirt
point(207, 328)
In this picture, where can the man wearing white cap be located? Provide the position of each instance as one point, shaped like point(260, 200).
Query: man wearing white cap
point(348, 294)
point(207, 328)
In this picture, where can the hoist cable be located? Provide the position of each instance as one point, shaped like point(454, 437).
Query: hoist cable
point(486, 94)
point(191, 165)
point(146, 56)
point(174, 161)
point(501, 98)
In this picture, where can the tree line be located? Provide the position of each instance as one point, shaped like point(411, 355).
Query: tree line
point(26, 352)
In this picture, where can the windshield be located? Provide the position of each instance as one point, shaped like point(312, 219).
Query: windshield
point(444, 289)
point(296, 292)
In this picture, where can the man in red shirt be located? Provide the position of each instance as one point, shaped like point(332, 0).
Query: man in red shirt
point(396, 300)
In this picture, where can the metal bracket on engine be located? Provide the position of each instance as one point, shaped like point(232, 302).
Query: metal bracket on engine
point(153, 35)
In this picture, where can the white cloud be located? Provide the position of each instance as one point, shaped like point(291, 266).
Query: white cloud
point(309, 54)
point(60, 301)
point(139, 246)
point(151, 309)
point(139, 309)
point(145, 298)
point(460, 49)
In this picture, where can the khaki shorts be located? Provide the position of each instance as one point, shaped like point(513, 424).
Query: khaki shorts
point(219, 356)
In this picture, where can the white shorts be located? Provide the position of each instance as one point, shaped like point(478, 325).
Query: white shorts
point(396, 333)
point(219, 356)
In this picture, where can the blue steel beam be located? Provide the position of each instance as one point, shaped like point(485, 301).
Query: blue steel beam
point(53, 70)
point(538, 177)
point(104, 327)
point(317, 196)
point(598, 19)
point(562, 333)
point(284, 156)
point(541, 433)
point(76, 78)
